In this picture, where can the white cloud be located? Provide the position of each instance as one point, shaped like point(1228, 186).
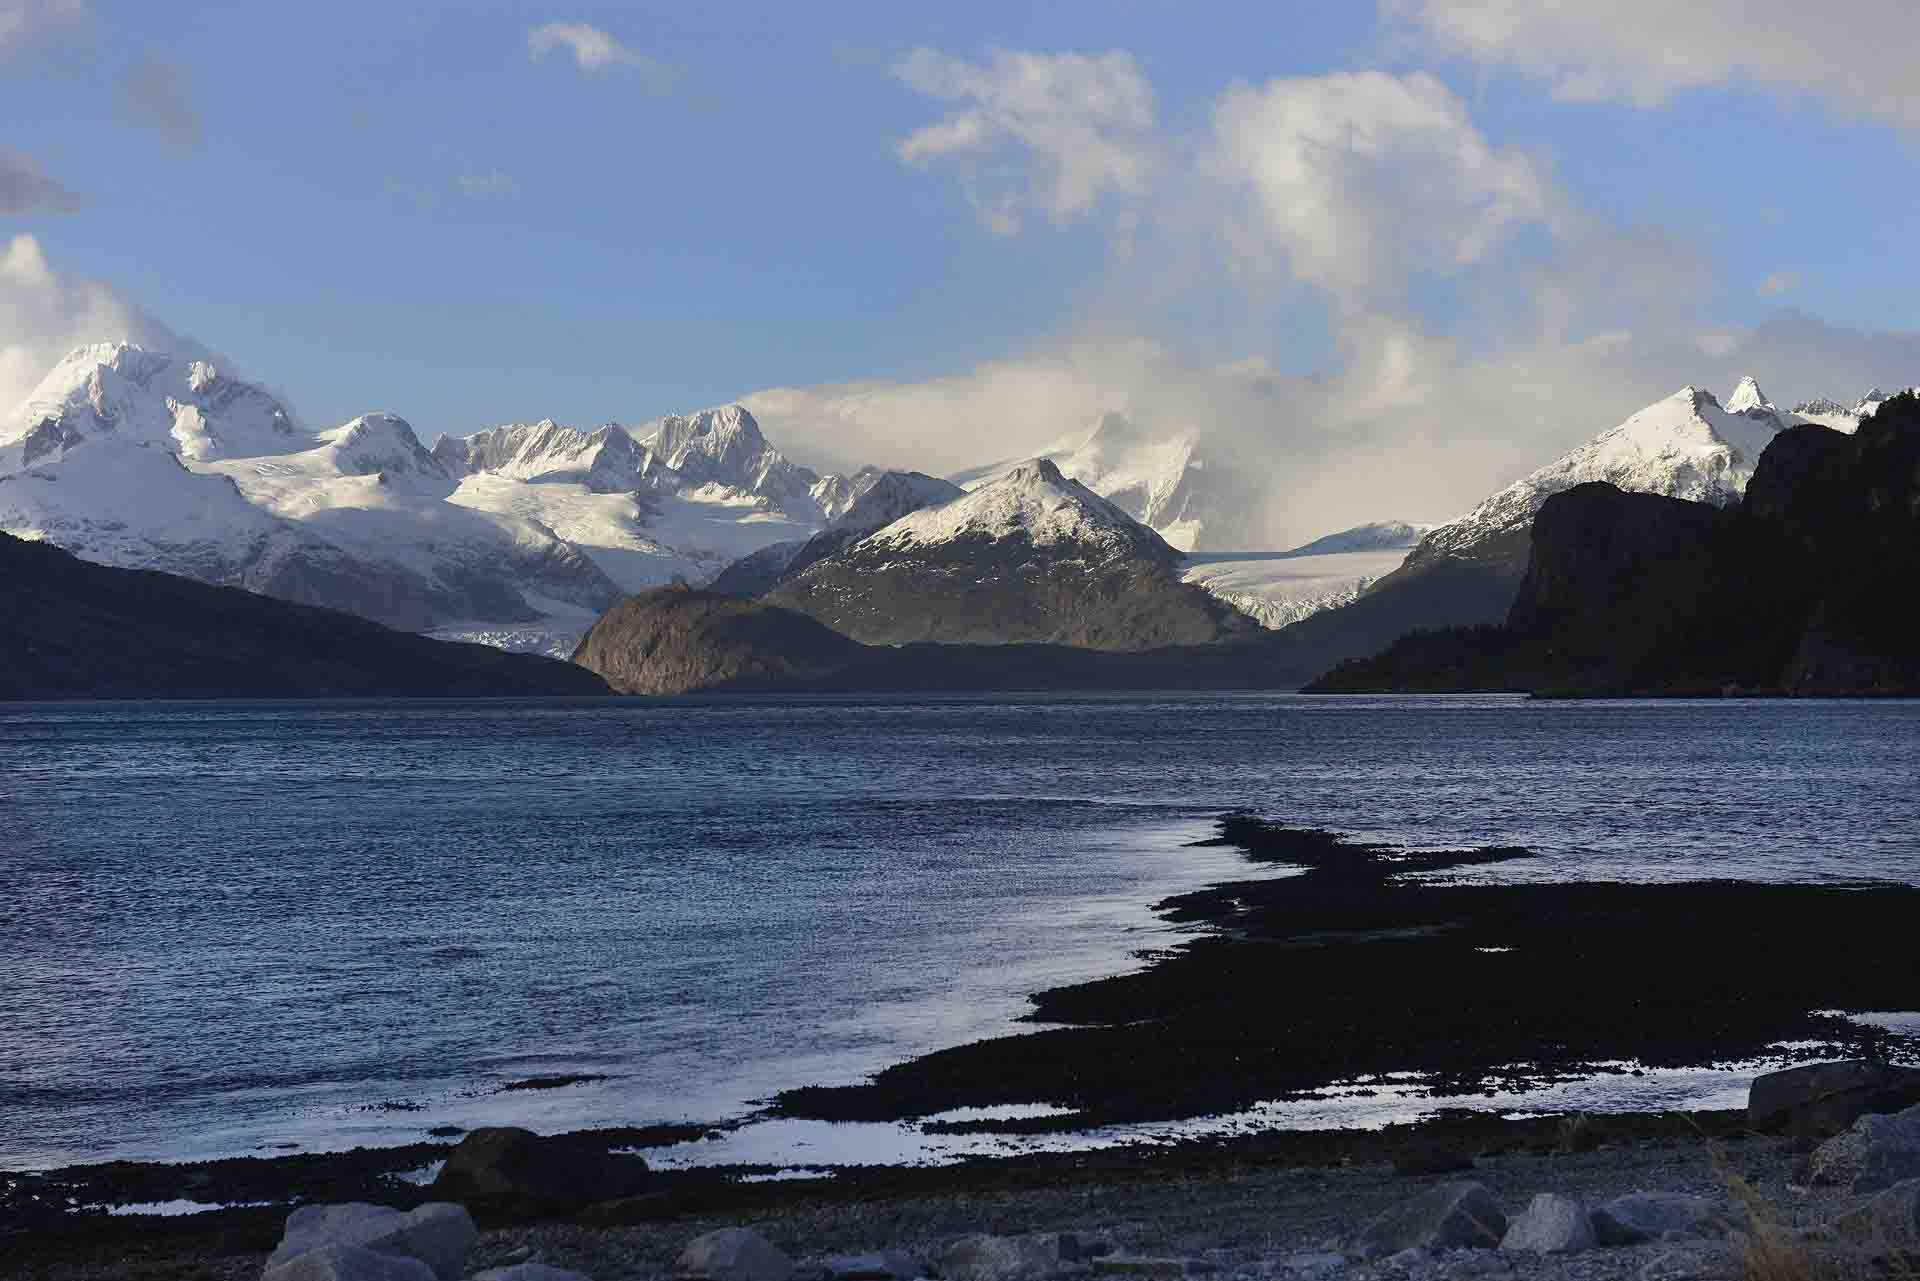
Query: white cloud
point(595, 50)
point(1858, 58)
point(1052, 132)
point(1364, 181)
point(44, 315)
point(22, 22)
point(1780, 282)
point(489, 185)
point(155, 92)
point(25, 188)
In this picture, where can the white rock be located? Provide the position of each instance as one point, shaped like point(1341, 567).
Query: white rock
point(1551, 1225)
point(438, 1234)
point(348, 1263)
point(733, 1254)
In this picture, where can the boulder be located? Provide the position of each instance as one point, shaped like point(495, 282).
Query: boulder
point(438, 1235)
point(991, 1258)
point(1315, 1263)
point(881, 1265)
point(529, 1272)
point(733, 1254)
point(1551, 1225)
point(1640, 1217)
point(1871, 1155)
point(1891, 1218)
point(1822, 1099)
point(1462, 1213)
point(516, 1173)
point(348, 1263)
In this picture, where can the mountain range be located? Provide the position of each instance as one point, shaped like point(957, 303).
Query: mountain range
point(523, 534)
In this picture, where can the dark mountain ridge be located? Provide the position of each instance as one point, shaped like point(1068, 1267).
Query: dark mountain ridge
point(73, 629)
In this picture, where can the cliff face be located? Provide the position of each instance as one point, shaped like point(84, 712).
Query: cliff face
point(1812, 585)
point(73, 629)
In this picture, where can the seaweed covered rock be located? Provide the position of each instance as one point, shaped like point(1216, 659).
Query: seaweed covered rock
point(514, 1173)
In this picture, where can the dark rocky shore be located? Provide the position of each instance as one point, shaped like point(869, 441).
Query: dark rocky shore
point(1371, 961)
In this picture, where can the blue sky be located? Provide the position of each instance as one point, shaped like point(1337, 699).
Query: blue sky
point(412, 207)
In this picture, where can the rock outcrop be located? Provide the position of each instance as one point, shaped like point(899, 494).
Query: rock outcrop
point(515, 1173)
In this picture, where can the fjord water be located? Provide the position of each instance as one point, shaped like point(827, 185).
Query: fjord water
point(233, 927)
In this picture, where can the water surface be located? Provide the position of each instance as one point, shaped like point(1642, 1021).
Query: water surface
point(235, 926)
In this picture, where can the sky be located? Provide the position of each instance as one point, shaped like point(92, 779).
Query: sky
point(1393, 254)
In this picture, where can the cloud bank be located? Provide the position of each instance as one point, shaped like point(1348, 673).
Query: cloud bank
point(1364, 192)
point(1858, 61)
point(44, 315)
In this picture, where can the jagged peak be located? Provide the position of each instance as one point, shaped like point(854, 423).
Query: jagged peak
point(1820, 405)
point(1747, 396)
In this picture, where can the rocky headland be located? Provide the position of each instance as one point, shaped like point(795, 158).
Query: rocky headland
point(1810, 585)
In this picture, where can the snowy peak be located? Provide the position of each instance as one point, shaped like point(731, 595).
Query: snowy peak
point(1034, 506)
point(724, 447)
point(606, 460)
point(380, 444)
point(1685, 446)
point(117, 389)
point(891, 495)
point(1748, 398)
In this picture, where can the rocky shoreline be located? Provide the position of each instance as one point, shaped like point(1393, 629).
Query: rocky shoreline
point(1649, 1198)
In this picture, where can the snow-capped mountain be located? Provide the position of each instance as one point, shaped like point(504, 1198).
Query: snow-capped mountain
point(884, 498)
point(1030, 557)
point(1831, 413)
point(118, 391)
point(724, 447)
point(1161, 478)
point(606, 461)
point(1282, 588)
point(354, 521)
point(1033, 506)
point(680, 498)
point(522, 534)
point(1685, 446)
